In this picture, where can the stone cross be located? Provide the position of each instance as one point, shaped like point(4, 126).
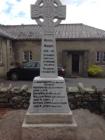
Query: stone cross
point(48, 114)
point(48, 14)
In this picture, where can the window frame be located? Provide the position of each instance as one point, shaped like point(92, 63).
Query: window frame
point(103, 57)
point(1, 52)
point(28, 55)
point(98, 56)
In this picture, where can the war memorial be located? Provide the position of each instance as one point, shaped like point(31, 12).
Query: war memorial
point(49, 116)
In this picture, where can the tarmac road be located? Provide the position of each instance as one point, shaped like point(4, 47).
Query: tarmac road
point(87, 82)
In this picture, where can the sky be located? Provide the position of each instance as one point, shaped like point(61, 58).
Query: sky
point(89, 12)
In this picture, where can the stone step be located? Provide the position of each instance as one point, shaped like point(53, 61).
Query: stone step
point(47, 118)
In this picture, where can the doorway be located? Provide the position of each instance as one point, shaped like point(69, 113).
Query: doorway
point(75, 63)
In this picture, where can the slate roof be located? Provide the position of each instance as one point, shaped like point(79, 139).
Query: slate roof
point(4, 34)
point(63, 31)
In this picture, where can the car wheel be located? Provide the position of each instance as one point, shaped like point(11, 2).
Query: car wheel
point(14, 76)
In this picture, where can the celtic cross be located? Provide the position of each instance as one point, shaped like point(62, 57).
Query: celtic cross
point(48, 14)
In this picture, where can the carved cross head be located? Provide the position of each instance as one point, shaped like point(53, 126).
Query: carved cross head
point(48, 12)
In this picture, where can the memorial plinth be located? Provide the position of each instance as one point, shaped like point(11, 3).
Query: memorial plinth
point(49, 116)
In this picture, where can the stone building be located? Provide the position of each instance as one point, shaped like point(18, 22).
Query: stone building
point(78, 46)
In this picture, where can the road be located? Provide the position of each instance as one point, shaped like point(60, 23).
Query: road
point(87, 82)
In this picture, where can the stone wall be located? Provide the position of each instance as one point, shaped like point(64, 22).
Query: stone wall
point(14, 51)
point(5, 56)
point(87, 45)
point(91, 47)
point(78, 97)
point(14, 97)
point(20, 46)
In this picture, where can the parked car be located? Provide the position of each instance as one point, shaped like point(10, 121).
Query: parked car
point(28, 71)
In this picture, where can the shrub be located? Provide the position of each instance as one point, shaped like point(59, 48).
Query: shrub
point(95, 71)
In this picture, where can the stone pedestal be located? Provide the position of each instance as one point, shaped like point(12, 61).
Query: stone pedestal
point(49, 131)
point(49, 116)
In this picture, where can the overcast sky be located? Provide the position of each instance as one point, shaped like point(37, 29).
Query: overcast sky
point(89, 12)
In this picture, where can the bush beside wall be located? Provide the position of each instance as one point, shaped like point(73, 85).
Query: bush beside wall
point(95, 71)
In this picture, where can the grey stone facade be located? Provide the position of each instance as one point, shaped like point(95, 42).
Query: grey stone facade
point(76, 68)
point(74, 41)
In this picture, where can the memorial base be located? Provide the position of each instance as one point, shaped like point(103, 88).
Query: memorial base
point(49, 116)
point(49, 131)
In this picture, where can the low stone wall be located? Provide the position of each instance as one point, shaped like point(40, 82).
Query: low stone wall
point(86, 98)
point(78, 97)
point(15, 97)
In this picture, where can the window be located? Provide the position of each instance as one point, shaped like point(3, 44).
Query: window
point(32, 64)
point(1, 55)
point(103, 57)
point(27, 56)
point(100, 57)
point(29, 65)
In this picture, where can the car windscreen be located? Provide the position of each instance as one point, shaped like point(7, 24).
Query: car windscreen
point(32, 65)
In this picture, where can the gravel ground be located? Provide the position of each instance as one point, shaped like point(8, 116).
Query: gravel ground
point(90, 126)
